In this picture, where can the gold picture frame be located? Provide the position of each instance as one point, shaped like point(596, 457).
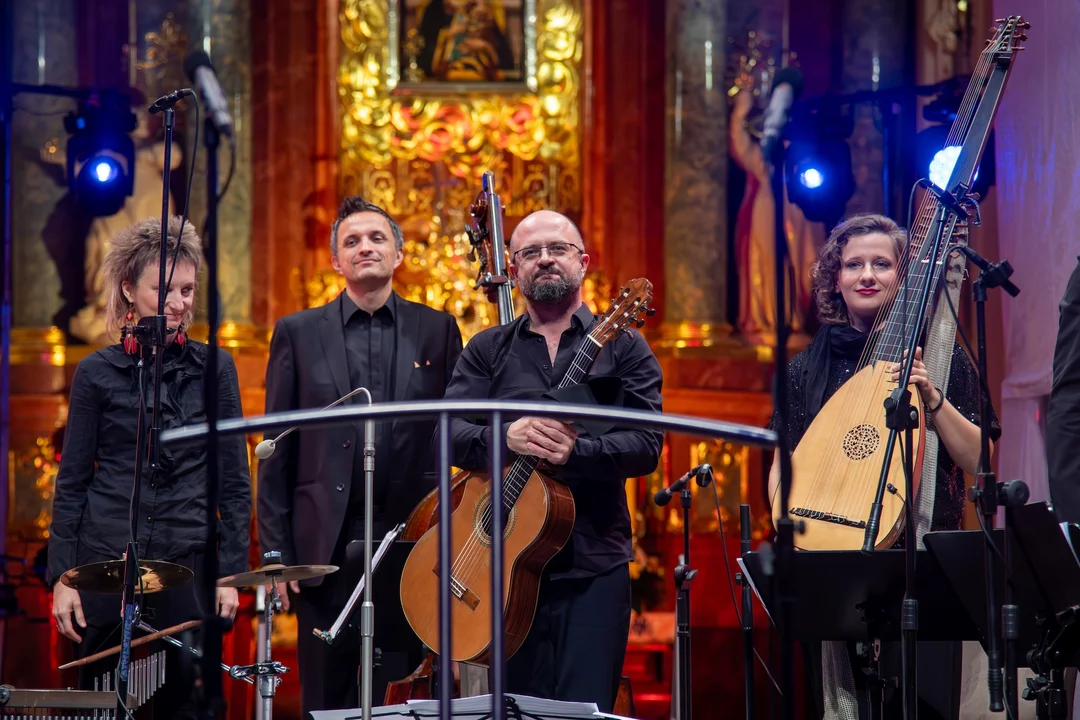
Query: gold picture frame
point(461, 46)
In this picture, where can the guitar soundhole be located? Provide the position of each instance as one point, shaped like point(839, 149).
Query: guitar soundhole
point(482, 521)
point(861, 442)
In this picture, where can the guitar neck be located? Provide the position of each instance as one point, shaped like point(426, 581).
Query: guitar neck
point(525, 465)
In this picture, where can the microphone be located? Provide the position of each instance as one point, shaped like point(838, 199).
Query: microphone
point(702, 472)
point(787, 87)
point(266, 448)
point(167, 101)
point(999, 273)
point(199, 70)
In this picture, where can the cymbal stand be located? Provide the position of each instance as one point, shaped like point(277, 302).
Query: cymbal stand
point(268, 670)
point(178, 643)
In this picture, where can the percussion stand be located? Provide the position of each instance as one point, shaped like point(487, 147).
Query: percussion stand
point(269, 670)
point(198, 655)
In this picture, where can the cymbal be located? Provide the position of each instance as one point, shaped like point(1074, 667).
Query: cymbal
point(108, 577)
point(278, 572)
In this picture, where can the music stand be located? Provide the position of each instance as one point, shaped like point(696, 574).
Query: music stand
point(390, 621)
point(856, 597)
point(1046, 588)
point(845, 592)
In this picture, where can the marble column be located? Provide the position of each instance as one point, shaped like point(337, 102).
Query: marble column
point(43, 53)
point(874, 36)
point(222, 28)
point(695, 177)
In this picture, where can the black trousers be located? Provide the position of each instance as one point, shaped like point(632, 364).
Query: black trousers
point(330, 674)
point(175, 699)
point(575, 649)
point(939, 676)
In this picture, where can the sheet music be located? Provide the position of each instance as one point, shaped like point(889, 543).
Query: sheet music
point(1072, 534)
point(387, 540)
point(477, 708)
point(753, 587)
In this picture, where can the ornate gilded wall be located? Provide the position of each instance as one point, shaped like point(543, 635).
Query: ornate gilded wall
point(420, 154)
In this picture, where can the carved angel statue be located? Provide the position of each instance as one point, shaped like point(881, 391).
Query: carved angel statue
point(754, 237)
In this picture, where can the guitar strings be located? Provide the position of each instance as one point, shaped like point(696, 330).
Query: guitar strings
point(474, 550)
point(889, 341)
point(893, 337)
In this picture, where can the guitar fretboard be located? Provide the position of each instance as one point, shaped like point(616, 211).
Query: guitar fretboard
point(524, 465)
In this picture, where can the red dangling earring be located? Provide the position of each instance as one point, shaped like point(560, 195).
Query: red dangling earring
point(131, 345)
point(181, 338)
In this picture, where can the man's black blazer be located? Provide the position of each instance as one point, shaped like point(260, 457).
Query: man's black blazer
point(1063, 411)
point(303, 490)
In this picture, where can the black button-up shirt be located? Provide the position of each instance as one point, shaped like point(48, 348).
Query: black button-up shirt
point(369, 351)
point(97, 465)
point(511, 362)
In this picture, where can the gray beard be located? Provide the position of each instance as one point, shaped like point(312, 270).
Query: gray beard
point(550, 291)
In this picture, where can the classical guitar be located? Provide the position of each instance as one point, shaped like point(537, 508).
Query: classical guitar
point(539, 519)
point(838, 464)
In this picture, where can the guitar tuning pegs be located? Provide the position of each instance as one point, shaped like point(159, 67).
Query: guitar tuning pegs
point(640, 323)
point(1025, 25)
point(650, 311)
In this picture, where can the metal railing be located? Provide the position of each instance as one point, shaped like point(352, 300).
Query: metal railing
point(493, 410)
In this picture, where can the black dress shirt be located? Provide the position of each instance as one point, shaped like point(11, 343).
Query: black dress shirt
point(369, 352)
point(97, 465)
point(511, 362)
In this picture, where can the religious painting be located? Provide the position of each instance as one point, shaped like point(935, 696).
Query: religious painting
point(451, 46)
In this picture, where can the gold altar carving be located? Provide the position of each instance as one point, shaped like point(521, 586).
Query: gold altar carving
point(421, 156)
point(33, 472)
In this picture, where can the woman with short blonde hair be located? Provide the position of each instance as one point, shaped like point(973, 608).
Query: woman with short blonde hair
point(111, 398)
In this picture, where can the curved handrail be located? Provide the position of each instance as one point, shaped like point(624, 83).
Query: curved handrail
point(494, 410)
point(316, 417)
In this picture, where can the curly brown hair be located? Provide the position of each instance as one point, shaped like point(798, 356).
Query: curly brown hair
point(135, 248)
point(828, 302)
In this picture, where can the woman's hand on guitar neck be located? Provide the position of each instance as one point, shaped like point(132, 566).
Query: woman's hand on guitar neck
point(544, 438)
point(921, 379)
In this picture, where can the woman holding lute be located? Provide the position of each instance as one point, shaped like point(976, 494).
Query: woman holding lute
point(854, 283)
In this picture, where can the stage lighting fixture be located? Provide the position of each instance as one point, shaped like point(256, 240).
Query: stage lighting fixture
point(936, 156)
point(101, 154)
point(818, 169)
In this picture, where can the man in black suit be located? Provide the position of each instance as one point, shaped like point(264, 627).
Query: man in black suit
point(311, 490)
point(1063, 411)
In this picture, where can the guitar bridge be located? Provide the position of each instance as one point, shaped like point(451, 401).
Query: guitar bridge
point(827, 517)
point(461, 592)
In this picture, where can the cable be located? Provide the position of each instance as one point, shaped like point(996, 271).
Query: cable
point(232, 169)
point(731, 585)
point(187, 194)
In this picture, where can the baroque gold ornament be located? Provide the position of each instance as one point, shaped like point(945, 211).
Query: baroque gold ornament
point(468, 131)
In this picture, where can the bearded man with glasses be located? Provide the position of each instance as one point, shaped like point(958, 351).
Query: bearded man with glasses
point(575, 649)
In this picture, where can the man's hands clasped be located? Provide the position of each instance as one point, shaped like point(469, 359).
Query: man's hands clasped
point(544, 438)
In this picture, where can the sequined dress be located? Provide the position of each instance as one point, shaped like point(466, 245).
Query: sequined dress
point(962, 392)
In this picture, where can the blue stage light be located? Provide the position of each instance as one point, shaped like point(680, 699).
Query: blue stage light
point(811, 178)
point(101, 154)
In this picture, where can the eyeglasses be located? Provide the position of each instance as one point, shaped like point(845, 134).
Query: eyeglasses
point(555, 250)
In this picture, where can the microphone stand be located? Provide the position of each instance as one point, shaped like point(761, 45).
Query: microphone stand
point(774, 153)
point(988, 494)
point(213, 702)
point(367, 609)
point(901, 416)
point(150, 337)
point(747, 613)
point(684, 574)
